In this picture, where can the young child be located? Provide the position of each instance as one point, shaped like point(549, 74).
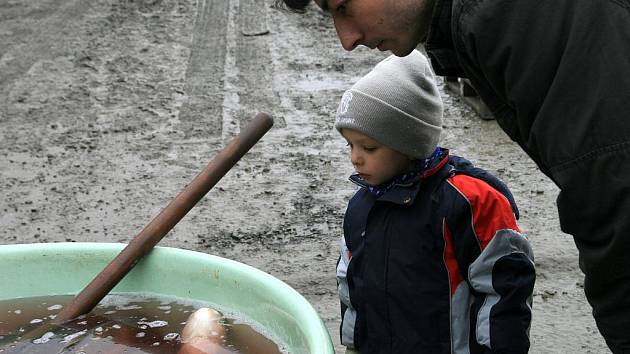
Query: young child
point(432, 259)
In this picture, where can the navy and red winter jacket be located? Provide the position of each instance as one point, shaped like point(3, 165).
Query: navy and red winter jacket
point(436, 266)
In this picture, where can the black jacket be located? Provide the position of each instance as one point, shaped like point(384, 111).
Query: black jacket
point(556, 75)
point(436, 266)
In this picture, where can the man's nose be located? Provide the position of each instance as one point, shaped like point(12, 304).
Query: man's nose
point(349, 35)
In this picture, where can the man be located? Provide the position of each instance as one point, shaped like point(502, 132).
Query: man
point(556, 76)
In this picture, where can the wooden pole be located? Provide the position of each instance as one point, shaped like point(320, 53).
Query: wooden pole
point(105, 281)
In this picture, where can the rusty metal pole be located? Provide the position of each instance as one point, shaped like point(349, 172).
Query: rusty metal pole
point(105, 281)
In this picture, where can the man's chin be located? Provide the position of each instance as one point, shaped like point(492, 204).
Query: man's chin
point(402, 52)
point(397, 48)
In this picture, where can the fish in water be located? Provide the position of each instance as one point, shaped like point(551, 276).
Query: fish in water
point(203, 334)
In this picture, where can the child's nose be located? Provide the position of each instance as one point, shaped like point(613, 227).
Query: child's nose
point(356, 158)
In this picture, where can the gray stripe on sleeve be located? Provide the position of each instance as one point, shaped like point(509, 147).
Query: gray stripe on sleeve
point(503, 243)
point(460, 319)
point(347, 327)
point(349, 317)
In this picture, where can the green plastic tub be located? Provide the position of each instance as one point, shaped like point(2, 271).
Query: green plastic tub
point(66, 268)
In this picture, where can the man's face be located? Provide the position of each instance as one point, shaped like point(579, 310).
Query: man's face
point(394, 25)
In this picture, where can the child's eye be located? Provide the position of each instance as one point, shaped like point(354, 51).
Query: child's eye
point(370, 148)
point(342, 7)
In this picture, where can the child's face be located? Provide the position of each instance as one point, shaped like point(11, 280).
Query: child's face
point(374, 162)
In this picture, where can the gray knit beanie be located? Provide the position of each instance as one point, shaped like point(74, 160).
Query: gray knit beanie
point(396, 104)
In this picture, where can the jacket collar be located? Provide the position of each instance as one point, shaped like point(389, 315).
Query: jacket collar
point(439, 44)
point(405, 194)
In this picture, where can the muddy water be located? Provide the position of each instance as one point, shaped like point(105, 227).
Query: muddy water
point(121, 324)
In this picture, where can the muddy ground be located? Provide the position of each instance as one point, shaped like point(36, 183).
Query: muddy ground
point(108, 108)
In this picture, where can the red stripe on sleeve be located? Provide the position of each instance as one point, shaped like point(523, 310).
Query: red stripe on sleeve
point(454, 275)
point(490, 209)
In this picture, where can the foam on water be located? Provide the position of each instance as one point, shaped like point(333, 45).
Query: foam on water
point(126, 301)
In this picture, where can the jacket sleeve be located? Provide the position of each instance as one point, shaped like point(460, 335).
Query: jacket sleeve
point(496, 263)
point(556, 73)
point(348, 313)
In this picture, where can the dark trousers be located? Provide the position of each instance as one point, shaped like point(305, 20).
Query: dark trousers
point(594, 207)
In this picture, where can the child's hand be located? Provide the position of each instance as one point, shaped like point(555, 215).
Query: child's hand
point(203, 333)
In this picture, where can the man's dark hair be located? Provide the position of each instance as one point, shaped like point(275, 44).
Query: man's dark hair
point(294, 5)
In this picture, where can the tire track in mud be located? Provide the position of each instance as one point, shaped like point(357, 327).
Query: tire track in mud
point(201, 114)
point(248, 74)
point(254, 59)
point(229, 77)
